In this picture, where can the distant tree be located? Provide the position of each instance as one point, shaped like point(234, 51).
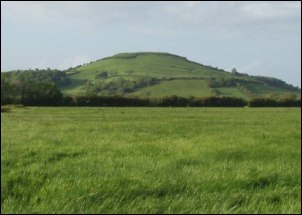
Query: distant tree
point(6, 90)
point(39, 93)
point(234, 71)
point(101, 75)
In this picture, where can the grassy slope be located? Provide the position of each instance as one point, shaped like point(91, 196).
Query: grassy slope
point(260, 89)
point(151, 160)
point(232, 91)
point(185, 88)
point(161, 65)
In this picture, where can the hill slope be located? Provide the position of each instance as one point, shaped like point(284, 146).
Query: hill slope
point(154, 74)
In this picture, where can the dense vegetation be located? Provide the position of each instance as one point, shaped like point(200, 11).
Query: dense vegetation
point(118, 86)
point(33, 97)
point(18, 77)
point(151, 160)
point(32, 87)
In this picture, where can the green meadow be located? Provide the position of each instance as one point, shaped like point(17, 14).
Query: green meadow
point(151, 160)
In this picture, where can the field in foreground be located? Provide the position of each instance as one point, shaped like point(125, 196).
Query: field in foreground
point(151, 160)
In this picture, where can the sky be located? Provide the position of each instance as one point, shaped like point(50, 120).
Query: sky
point(257, 38)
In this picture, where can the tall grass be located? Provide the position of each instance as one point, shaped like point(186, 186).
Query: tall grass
point(151, 160)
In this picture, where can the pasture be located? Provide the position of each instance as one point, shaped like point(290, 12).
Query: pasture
point(151, 160)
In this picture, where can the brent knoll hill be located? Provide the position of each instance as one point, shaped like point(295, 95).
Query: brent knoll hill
point(152, 74)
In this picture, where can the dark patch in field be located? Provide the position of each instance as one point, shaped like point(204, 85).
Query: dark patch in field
point(57, 142)
point(31, 154)
point(186, 162)
point(275, 199)
point(133, 189)
point(55, 157)
point(30, 157)
point(124, 190)
point(261, 182)
point(152, 150)
point(22, 186)
point(231, 155)
point(6, 164)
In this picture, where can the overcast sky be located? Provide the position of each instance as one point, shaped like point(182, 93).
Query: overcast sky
point(258, 38)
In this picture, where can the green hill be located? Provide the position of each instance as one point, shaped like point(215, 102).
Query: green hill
point(124, 74)
point(152, 75)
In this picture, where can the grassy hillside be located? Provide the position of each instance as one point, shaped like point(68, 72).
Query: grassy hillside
point(151, 160)
point(184, 88)
point(175, 75)
point(149, 64)
point(152, 74)
point(232, 92)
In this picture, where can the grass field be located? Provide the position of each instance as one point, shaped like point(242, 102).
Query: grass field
point(185, 88)
point(232, 92)
point(151, 160)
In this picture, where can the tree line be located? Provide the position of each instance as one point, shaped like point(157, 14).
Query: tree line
point(53, 97)
point(60, 78)
point(268, 102)
point(31, 87)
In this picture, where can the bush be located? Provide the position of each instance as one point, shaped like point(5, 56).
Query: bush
point(267, 102)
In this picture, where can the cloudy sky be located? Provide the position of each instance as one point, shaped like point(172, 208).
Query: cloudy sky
point(258, 38)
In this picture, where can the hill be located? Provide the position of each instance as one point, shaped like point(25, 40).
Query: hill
point(152, 75)
point(155, 74)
